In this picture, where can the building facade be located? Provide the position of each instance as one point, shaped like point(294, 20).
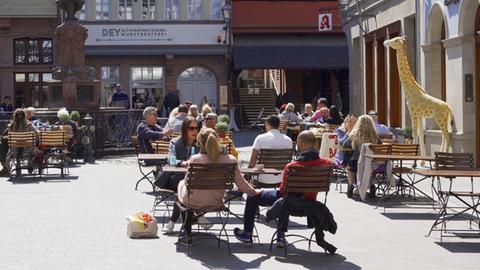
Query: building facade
point(153, 47)
point(443, 52)
point(26, 50)
point(303, 40)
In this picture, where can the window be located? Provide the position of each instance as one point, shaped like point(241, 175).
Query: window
point(81, 15)
point(33, 51)
point(216, 10)
point(147, 73)
point(194, 9)
point(102, 8)
point(197, 73)
point(172, 10)
point(110, 73)
point(148, 10)
point(125, 9)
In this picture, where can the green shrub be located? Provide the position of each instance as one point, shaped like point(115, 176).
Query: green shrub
point(75, 116)
point(221, 127)
point(407, 133)
point(224, 118)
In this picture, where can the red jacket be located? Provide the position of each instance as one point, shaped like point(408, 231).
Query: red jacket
point(312, 196)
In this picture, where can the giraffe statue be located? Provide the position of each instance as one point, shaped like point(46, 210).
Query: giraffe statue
point(420, 104)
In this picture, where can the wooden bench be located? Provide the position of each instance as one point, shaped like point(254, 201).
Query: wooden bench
point(21, 145)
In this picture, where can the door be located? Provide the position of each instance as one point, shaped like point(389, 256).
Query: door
point(198, 85)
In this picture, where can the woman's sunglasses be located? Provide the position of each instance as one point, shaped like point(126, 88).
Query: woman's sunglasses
point(192, 128)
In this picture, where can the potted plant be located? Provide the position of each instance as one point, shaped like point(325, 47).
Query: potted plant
point(407, 134)
point(224, 118)
point(75, 117)
point(221, 128)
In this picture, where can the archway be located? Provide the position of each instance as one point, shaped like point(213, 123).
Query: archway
point(435, 58)
point(199, 85)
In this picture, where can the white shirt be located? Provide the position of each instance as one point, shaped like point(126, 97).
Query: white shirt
point(272, 140)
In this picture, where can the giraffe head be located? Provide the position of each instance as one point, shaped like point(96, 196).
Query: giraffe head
point(395, 43)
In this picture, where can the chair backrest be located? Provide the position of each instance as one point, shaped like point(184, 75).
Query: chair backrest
point(176, 134)
point(454, 161)
point(404, 149)
point(53, 139)
point(275, 158)
point(210, 176)
point(380, 149)
point(301, 179)
point(135, 145)
point(283, 126)
point(21, 139)
point(228, 146)
point(161, 147)
point(229, 135)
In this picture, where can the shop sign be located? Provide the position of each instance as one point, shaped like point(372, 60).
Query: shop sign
point(153, 34)
point(325, 22)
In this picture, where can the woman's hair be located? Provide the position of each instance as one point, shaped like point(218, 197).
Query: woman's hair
point(63, 115)
point(193, 110)
point(206, 110)
point(363, 132)
point(185, 125)
point(208, 140)
point(308, 105)
point(290, 107)
point(19, 121)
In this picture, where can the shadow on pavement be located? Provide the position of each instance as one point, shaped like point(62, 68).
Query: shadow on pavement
point(410, 216)
point(213, 257)
point(460, 247)
point(36, 179)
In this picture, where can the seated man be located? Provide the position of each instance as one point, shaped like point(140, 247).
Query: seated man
point(272, 139)
point(210, 120)
point(382, 130)
point(308, 156)
point(148, 130)
point(175, 122)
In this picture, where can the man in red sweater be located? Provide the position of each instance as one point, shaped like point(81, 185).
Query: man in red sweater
point(308, 156)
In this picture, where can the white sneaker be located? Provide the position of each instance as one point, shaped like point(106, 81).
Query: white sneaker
point(204, 223)
point(168, 228)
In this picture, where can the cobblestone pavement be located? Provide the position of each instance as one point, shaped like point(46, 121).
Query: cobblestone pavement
point(79, 223)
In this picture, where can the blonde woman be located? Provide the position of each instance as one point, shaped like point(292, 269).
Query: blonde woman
point(210, 152)
point(289, 113)
point(206, 109)
point(363, 132)
point(342, 134)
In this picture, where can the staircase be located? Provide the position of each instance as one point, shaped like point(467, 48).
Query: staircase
point(253, 99)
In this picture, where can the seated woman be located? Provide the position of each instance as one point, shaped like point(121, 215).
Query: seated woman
point(19, 123)
point(362, 132)
point(335, 116)
point(308, 114)
point(66, 123)
point(342, 135)
point(181, 148)
point(210, 152)
point(289, 114)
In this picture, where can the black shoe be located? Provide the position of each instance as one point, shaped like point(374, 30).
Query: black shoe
point(373, 191)
point(350, 191)
point(185, 240)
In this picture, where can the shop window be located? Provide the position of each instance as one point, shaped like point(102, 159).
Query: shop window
point(110, 77)
point(33, 51)
point(147, 86)
point(81, 14)
point(172, 10)
point(110, 72)
point(125, 9)
point(102, 9)
point(148, 9)
point(147, 73)
point(194, 8)
point(20, 77)
point(216, 10)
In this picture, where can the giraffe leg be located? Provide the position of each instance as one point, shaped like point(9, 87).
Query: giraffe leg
point(421, 137)
point(414, 128)
point(442, 122)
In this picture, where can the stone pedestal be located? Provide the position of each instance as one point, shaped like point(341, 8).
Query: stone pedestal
point(74, 85)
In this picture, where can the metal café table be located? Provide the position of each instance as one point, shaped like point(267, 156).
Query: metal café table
point(159, 160)
point(403, 182)
point(442, 216)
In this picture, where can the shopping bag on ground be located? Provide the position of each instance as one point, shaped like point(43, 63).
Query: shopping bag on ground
point(142, 225)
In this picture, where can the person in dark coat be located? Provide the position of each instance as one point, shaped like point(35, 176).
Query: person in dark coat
point(171, 101)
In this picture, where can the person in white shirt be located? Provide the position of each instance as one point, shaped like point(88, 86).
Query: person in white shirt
point(272, 139)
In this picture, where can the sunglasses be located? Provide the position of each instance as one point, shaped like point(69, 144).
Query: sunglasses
point(192, 128)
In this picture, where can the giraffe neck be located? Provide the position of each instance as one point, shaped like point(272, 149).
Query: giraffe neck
point(405, 74)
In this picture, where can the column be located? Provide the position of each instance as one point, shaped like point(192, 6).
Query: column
point(160, 10)
point(113, 10)
point(183, 10)
point(206, 9)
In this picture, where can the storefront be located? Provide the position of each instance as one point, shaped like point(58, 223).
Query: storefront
point(150, 60)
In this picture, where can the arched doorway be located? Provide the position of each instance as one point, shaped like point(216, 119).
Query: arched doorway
point(435, 59)
point(199, 85)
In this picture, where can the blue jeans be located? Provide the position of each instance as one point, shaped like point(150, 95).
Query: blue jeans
point(266, 198)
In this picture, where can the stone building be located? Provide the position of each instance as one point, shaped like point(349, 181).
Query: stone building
point(26, 50)
point(442, 38)
point(152, 47)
